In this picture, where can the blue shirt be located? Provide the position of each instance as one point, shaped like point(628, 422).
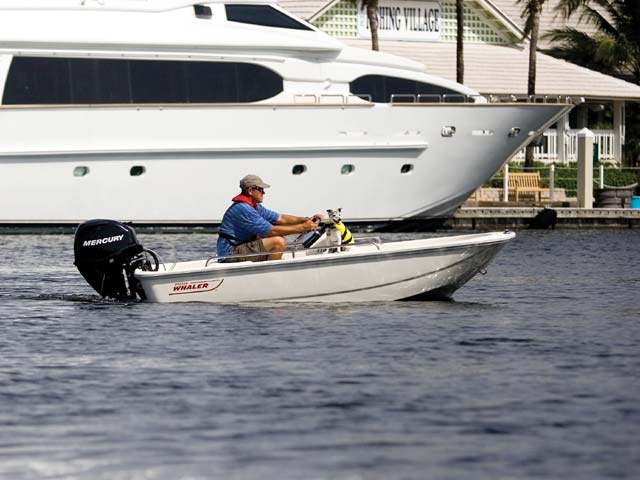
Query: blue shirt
point(243, 224)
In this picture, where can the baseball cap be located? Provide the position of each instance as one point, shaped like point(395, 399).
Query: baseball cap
point(249, 181)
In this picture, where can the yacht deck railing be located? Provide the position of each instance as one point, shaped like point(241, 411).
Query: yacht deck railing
point(547, 151)
point(434, 98)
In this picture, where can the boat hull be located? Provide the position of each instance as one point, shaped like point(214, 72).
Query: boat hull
point(417, 269)
point(181, 164)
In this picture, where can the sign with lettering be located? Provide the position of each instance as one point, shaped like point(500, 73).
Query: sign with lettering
point(404, 20)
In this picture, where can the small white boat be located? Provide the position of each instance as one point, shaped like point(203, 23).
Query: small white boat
point(117, 266)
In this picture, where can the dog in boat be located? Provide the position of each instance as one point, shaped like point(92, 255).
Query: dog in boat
point(338, 233)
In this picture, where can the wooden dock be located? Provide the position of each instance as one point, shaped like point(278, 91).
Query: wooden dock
point(483, 218)
point(488, 218)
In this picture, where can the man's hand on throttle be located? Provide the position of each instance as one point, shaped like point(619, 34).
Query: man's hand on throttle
point(309, 225)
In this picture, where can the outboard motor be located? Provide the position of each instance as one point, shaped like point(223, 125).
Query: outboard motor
point(107, 253)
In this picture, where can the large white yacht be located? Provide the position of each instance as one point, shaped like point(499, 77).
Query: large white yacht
point(151, 112)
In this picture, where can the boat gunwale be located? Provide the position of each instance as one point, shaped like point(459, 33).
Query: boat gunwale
point(492, 238)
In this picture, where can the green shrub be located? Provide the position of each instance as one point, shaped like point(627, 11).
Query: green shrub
point(618, 178)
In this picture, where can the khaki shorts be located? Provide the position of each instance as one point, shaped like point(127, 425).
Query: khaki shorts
point(245, 250)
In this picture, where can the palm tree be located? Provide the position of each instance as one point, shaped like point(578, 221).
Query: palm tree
point(372, 16)
point(531, 13)
point(615, 49)
point(459, 42)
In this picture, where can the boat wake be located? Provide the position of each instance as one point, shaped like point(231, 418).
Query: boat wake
point(71, 297)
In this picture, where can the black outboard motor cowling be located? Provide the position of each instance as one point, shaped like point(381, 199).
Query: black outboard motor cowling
point(106, 254)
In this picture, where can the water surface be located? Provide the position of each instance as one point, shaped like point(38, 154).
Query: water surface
point(531, 372)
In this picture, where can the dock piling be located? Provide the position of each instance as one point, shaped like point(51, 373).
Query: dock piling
point(505, 189)
point(585, 168)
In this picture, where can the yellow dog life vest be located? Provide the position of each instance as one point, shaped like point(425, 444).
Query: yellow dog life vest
point(345, 233)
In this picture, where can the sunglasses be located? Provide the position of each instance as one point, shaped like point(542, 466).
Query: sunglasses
point(260, 189)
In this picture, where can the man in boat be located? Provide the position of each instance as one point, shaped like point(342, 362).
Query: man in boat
point(252, 232)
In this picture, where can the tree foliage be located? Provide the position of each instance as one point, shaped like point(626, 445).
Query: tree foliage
point(614, 50)
point(616, 46)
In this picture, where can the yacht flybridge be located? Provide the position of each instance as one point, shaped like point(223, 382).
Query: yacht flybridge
point(151, 111)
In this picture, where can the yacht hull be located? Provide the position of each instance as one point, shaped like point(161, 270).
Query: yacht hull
point(399, 162)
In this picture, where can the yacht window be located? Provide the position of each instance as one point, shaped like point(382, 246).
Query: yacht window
point(299, 169)
point(50, 81)
point(37, 81)
point(257, 83)
point(264, 15)
point(406, 168)
point(380, 88)
point(80, 171)
point(158, 82)
point(96, 81)
point(202, 11)
point(137, 170)
point(347, 169)
point(204, 81)
point(231, 82)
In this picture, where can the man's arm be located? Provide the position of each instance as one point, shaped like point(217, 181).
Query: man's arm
point(288, 225)
point(284, 219)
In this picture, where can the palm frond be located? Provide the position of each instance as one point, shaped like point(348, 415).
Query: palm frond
point(530, 11)
point(576, 47)
point(617, 45)
point(608, 50)
point(594, 17)
point(568, 7)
